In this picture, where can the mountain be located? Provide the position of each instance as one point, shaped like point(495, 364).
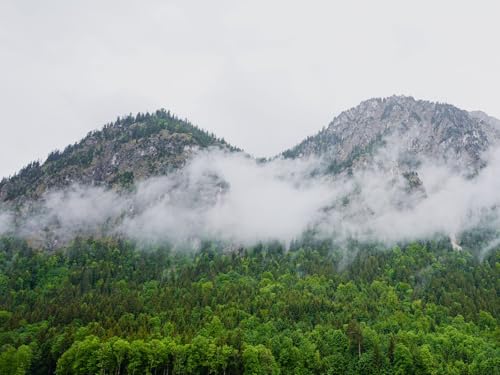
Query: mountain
point(129, 149)
point(137, 147)
point(481, 116)
point(412, 129)
point(232, 265)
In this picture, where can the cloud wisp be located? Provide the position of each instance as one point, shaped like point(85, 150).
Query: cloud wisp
point(232, 197)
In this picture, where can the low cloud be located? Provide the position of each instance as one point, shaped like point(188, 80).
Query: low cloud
point(5, 223)
point(232, 197)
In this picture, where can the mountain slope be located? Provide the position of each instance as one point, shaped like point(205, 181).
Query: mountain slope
point(205, 271)
point(412, 129)
point(135, 148)
point(130, 149)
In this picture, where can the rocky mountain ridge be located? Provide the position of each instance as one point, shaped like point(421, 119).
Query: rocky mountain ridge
point(410, 129)
point(138, 147)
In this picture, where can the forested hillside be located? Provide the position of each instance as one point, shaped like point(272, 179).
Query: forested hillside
point(121, 153)
point(108, 307)
point(151, 247)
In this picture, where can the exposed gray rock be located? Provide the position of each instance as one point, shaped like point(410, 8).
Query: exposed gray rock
point(410, 130)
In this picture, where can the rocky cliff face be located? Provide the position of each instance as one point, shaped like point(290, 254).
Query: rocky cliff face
point(128, 150)
point(409, 129)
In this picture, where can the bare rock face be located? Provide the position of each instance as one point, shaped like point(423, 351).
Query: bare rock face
point(409, 130)
point(483, 117)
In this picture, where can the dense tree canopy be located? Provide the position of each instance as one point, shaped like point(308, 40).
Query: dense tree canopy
point(108, 307)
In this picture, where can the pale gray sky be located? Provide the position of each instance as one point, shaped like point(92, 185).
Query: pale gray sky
point(262, 74)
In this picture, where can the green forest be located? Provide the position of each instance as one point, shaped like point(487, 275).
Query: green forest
point(113, 307)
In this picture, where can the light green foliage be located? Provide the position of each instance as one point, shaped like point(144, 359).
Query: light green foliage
point(105, 307)
point(15, 361)
point(259, 360)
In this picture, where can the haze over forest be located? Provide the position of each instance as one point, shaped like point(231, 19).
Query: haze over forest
point(249, 188)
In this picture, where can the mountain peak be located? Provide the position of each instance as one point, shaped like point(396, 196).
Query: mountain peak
point(137, 147)
point(131, 148)
point(413, 128)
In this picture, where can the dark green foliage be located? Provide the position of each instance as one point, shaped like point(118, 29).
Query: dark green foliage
point(125, 179)
point(96, 158)
point(29, 175)
point(106, 307)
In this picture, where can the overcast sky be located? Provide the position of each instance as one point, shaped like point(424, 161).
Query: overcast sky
point(262, 74)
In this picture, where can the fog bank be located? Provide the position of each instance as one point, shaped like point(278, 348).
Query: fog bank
point(234, 198)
